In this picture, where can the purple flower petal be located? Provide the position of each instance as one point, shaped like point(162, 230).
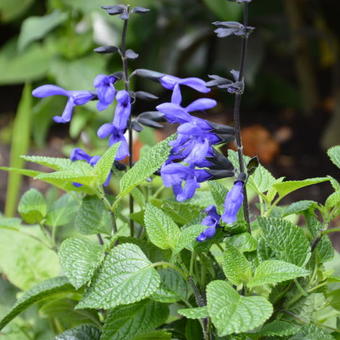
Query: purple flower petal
point(174, 113)
point(169, 82)
point(105, 130)
point(176, 97)
point(196, 84)
point(233, 203)
point(81, 97)
point(201, 105)
point(123, 110)
point(78, 154)
point(49, 90)
point(67, 114)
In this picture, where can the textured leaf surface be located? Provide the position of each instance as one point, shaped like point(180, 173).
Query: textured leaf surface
point(188, 236)
point(298, 207)
point(162, 230)
point(155, 335)
point(93, 217)
point(312, 332)
point(194, 313)
point(79, 258)
point(286, 240)
point(273, 271)
point(236, 267)
point(126, 322)
point(32, 206)
point(334, 155)
point(83, 332)
point(172, 288)
point(41, 291)
point(54, 163)
point(244, 242)
point(126, 276)
point(333, 200)
point(324, 250)
point(219, 193)
point(279, 328)
point(233, 313)
point(146, 166)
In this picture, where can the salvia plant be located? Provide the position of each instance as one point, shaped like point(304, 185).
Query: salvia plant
point(144, 262)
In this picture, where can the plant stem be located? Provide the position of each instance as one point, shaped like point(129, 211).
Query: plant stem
point(237, 106)
point(126, 80)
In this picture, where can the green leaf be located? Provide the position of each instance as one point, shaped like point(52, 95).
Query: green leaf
point(62, 211)
point(286, 240)
point(19, 146)
point(236, 267)
point(298, 207)
point(334, 155)
point(224, 9)
point(188, 236)
point(93, 217)
point(219, 192)
point(285, 188)
point(126, 322)
point(35, 28)
point(55, 163)
point(324, 250)
point(79, 258)
point(312, 332)
point(24, 260)
point(39, 292)
point(125, 277)
point(262, 180)
point(32, 206)
point(194, 313)
point(155, 335)
point(245, 242)
point(273, 271)
point(173, 288)
point(161, 229)
point(146, 166)
point(83, 332)
point(333, 200)
point(279, 328)
point(233, 313)
point(103, 168)
point(9, 9)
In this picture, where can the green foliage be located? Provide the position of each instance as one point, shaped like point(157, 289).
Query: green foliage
point(83, 332)
point(244, 242)
point(195, 313)
point(188, 236)
point(273, 271)
point(279, 328)
point(233, 313)
point(126, 322)
point(219, 193)
point(79, 258)
point(298, 207)
point(312, 332)
point(39, 292)
point(224, 9)
point(32, 206)
point(334, 155)
point(287, 241)
point(125, 277)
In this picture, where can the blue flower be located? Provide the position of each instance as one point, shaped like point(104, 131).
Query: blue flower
point(105, 90)
point(184, 180)
point(174, 83)
point(116, 136)
point(123, 110)
point(233, 203)
point(211, 220)
point(75, 98)
point(78, 154)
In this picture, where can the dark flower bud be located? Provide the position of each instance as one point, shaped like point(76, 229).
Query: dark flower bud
point(130, 54)
point(136, 126)
point(140, 10)
point(219, 174)
point(232, 28)
point(118, 75)
point(145, 95)
point(114, 10)
point(220, 162)
point(222, 129)
point(106, 49)
point(252, 165)
point(234, 88)
point(151, 118)
point(147, 74)
point(217, 80)
point(120, 166)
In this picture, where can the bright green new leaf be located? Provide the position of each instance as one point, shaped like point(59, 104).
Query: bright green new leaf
point(146, 166)
point(286, 240)
point(55, 163)
point(233, 313)
point(162, 230)
point(32, 206)
point(245, 242)
point(83, 332)
point(236, 267)
point(188, 236)
point(126, 276)
point(93, 217)
point(219, 193)
point(79, 258)
point(262, 180)
point(39, 292)
point(334, 155)
point(126, 322)
point(273, 271)
point(34, 28)
point(333, 200)
point(298, 207)
point(194, 313)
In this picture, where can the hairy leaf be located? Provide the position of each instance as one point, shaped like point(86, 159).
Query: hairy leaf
point(83, 332)
point(194, 313)
point(244, 242)
point(279, 328)
point(188, 236)
point(334, 155)
point(32, 206)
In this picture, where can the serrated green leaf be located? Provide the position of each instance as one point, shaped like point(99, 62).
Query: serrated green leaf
point(83, 332)
point(93, 217)
point(155, 335)
point(287, 241)
point(245, 242)
point(219, 193)
point(262, 180)
point(79, 258)
point(34, 28)
point(273, 271)
point(173, 288)
point(194, 313)
point(125, 277)
point(39, 292)
point(312, 332)
point(236, 267)
point(335, 184)
point(126, 322)
point(188, 236)
point(333, 200)
point(324, 250)
point(279, 328)
point(298, 207)
point(55, 163)
point(62, 211)
point(233, 313)
point(334, 155)
point(32, 206)
point(285, 188)
point(161, 229)
point(103, 168)
point(146, 166)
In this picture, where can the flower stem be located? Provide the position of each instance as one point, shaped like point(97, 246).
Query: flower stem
point(126, 80)
point(237, 106)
